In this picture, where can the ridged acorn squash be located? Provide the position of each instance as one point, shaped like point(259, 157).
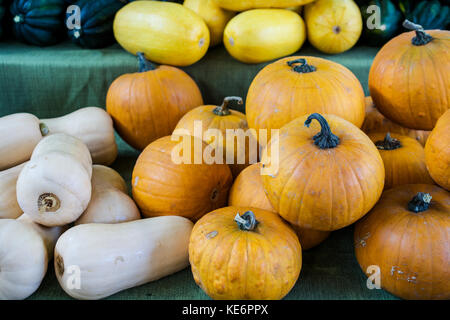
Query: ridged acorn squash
point(429, 14)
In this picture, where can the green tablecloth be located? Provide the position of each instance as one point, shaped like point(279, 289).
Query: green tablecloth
point(56, 80)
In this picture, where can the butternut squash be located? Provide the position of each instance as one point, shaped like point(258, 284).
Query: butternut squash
point(25, 249)
point(19, 133)
point(115, 257)
point(54, 187)
point(110, 202)
point(9, 208)
point(91, 125)
point(242, 5)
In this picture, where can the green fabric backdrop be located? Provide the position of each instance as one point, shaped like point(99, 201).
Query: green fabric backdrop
point(53, 81)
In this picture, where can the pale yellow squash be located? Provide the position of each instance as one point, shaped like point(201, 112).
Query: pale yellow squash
point(167, 33)
point(91, 125)
point(9, 208)
point(110, 202)
point(261, 35)
point(54, 187)
point(334, 26)
point(19, 133)
point(242, 5)
point(215, 17)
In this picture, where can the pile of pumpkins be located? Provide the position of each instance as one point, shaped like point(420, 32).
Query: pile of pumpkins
point(241, 232)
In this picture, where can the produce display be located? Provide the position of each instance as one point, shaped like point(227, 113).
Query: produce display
point(234, 188)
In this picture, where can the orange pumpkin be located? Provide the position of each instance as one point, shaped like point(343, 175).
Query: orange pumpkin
point(223, 119)
point(248, 191)
point(167, 180)
point(329, 175)
point(147, 105)
point(406, 236)
point(376, 122)
point(245, 254)
point(296, 86)
point(409, 80)
point(437, 152)
point(403, 158)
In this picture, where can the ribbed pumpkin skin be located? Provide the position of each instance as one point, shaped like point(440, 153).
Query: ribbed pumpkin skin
point(405, 165)
point(334, 26)
point(209, 120)
point(215, 17)
point(96, 19)
point(248, 191)
point(278, 94)
point(242, 5)
point(39, 22)
point(261, 35)
point(146, 106)
point(168, 33)
point(162, 187)
point(376, 122)
point(232, 264)
point(324, 189)
point(411, 249)
point(437, 152)
point(409, 84)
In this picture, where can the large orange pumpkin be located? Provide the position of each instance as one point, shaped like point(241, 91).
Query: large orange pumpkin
point(409, 80)
point(248, 191)
point(407, 236)
point(147, 105)
point(296, 86)
point(186, 187)
point(376, 122)
point(403, 158)
point(329, 175)
point(241, 253)
point(239, 154)
point(437, 152)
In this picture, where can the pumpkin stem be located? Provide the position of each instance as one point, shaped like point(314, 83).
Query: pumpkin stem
point(48, 202)
point(325, 139)
point(388, 143)
point(247, 221)
point(420, 202)
point(144, 64)
point(44, 129)
point(422, 38)
point(223, 109)
point(19, 18)
point(304, 67)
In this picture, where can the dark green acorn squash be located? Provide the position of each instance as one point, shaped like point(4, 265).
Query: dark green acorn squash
point(430, 15)
point(390, 22)
point(96, 23)
point(38, 22)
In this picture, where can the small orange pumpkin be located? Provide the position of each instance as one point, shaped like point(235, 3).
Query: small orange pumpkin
point(329, 175)
point(403, 158)
point(239, 253)
point(222, 118)
point(376, 122)
point(162, 186)
point(147, 105)
point(406, 236)
point(296, 86)
point(409, 80)
point(248, 191)
point(437, 152)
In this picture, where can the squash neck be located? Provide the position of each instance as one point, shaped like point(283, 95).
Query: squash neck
point(246, 222)
point(223, 110)
point(325, 139)
point(144, 64)
point(420, 202)
point(388, 143)
point(304, 67)
point(422, 38)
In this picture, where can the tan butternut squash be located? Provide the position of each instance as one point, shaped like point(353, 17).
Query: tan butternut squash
point(54, 187)
point(110, 202)
point(91, 125)
point(9, 208)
